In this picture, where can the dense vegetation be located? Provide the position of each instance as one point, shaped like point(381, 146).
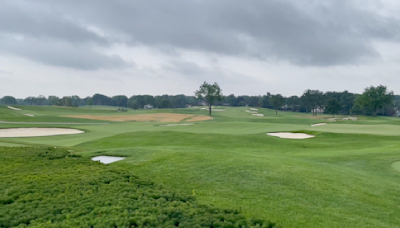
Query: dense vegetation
point(47, 187)
point(374, 101)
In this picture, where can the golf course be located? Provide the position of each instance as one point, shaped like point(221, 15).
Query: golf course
point(346, 174)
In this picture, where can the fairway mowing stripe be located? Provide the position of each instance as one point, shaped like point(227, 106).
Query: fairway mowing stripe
point(5, 122)
point(157, 117)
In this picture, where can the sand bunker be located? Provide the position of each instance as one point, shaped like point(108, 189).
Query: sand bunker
point(107, 159)
point(318, 124)
point(17, 109)
point(30, 115)
point(157, 117)
point(289, 135)
point(171, 125)
point(350, 118)
point(253, 109)
point(34, 132)
point(198, 118)
point(257, 114)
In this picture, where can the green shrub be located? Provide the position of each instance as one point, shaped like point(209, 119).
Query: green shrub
point(50, 187)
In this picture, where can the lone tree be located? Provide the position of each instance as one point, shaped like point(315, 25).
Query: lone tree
point(313, 99)
point(277, 101)
point(209, 93)
point(333, 106)
point(89, 102)
point(375, 98)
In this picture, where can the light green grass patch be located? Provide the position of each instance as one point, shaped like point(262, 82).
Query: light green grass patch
point(9, 144)
point(396, 166)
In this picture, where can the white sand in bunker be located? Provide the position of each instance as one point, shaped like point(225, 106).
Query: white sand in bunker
point(350, 118)
point(289, 135)
point(257, 114)
point(253, 109)
point(30, 115)
point(318, 124)
point(17, 109)
point(107, 159)
point(35, 131)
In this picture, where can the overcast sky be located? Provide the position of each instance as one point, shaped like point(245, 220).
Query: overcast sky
point(71, 47)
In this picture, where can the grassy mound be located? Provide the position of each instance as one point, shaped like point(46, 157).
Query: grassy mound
point(47, 187)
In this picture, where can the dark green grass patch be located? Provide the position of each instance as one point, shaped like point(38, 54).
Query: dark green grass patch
point(47, 187)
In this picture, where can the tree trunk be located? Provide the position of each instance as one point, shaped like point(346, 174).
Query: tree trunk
point(276, 111)
point(209, 109)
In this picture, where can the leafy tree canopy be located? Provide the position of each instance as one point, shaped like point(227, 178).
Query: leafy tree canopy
point(9, 100)
point(277, 102)
point(209, 93)
point(333, 106)
point(376, 98)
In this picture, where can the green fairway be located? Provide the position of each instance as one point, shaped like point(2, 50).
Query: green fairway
point(346, 176)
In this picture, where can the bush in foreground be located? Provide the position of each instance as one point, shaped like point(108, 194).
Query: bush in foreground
point(47, 187)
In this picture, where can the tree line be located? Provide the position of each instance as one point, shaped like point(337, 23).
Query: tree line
point(134, 102)
point(373, 101)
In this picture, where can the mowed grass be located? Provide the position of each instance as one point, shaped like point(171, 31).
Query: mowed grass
point(328, 181)
point(344, 177)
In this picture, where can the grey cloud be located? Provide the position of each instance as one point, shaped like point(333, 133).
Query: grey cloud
point(4, 72)
point(313, 34)
point(60, 54)
point(210, 74)
point(185, 68)
point(333, 33)
point(31, 18)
